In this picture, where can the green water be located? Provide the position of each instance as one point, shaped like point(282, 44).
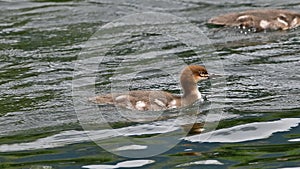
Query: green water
point(42, 41)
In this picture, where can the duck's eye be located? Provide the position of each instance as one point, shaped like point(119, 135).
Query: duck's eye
point(202, 73)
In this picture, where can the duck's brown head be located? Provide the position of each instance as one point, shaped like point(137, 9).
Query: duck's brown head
point(194, 73)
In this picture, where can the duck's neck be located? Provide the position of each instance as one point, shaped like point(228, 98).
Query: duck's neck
point(190, 90)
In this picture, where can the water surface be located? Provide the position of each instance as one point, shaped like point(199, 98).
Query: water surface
point(257, 109)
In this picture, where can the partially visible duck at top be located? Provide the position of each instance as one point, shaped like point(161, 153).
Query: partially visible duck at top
point(259, 19)
point(159, 100)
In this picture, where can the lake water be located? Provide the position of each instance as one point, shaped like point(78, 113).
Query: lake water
point(54, 55)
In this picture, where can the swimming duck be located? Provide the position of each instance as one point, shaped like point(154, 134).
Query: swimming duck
point(259, 20)
point(159, 100)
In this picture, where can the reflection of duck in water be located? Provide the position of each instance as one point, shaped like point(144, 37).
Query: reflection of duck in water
point(160, 100)
point(261, 19)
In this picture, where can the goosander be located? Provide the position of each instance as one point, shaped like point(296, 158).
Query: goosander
point(159, 100)
point(259, 20)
